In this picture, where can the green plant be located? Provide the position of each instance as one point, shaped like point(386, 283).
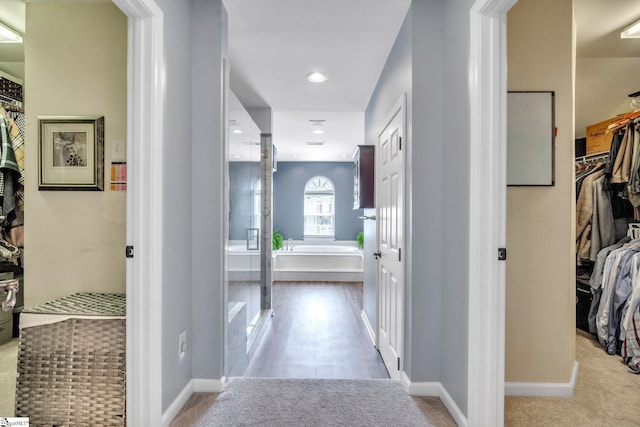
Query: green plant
point(277, 241)
point(360, 239)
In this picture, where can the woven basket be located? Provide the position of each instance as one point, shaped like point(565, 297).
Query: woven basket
point(73, 373)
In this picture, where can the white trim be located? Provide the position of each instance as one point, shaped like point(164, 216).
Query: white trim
point(544, 389)
point(145, 106)
point(201, 385)
point(435, 389)
point(452, 407)
point(423, 388)
point(195, 385)
point(487, 211)
point(290, 275)
point(178, 403)
point(367, 324)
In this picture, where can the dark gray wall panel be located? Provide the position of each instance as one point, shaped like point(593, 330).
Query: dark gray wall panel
point(288, 197)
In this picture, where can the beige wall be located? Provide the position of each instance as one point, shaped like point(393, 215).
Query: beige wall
point(75, 63)
point(540, 308)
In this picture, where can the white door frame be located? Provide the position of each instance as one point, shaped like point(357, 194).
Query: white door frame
point(145, 99)
point(487, 207)
point(487, 211)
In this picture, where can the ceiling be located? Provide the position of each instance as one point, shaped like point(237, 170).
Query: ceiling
point(598, 26)
point(273, 44)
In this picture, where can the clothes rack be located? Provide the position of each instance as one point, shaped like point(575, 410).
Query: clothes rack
point(592, 158)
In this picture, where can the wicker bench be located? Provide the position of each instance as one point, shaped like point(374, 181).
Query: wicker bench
point(72, 362)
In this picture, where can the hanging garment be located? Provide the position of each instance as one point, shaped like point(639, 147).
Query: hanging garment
point(603, 230)
point(622, 165)
point(618, 297)
point(584, 213)
point(630, 350)
point(10, 172)
point(595, 281)
point(633, 302)
point(634, 178)
point(616, 142)
point(617, 275)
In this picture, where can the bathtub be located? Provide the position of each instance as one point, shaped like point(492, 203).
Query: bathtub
point(243, 264)
point(330, 262)
point(319, 262)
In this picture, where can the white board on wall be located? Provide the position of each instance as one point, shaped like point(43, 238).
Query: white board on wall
point(530, 138)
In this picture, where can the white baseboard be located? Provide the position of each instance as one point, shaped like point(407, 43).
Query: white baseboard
point(208, 386)
point(367, 325)
point(543, 389)
point(435, 389)
point(177, 404)
point(419, 388)
point(452, 407)
point(195, 385)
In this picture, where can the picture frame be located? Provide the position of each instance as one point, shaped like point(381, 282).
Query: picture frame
point(253, 239)
point(71, 153)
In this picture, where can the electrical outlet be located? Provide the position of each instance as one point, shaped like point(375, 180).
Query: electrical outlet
point(183, 345)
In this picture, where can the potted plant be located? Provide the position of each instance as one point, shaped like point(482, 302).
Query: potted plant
point(360, 239)
point(277, 241)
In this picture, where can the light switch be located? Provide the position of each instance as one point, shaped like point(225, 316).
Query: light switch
point(117, 150)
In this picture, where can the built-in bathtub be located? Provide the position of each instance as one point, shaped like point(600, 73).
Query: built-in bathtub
point(334, 262)
point(243, 264)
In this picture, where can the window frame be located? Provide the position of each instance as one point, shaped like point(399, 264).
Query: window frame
point(319, 185)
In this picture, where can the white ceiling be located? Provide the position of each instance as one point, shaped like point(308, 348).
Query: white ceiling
point(273, 44)
point(598, 26)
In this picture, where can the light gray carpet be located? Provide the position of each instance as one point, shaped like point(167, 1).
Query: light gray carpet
point(274, 402)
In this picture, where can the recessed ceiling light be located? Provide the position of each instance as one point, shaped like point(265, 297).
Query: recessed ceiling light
point(316, 77)
point(318, 131)
point(236, 131)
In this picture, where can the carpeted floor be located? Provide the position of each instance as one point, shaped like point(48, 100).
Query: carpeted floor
point(605, 395)
point(305, 402)
point(8, 364)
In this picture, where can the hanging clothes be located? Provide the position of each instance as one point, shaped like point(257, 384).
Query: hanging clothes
point(617, 322)
point(11, 177)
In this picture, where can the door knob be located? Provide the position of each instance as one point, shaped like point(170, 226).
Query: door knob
point(377, 255)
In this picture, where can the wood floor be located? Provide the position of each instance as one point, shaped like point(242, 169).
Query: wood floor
point(317, 332)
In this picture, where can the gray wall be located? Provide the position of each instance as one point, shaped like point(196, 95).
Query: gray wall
point(434, 39)
point(193, 293)
point(455, 200)
point(288, 197)
point(209, 211)
point(424, 259)
point(429, 60)
point(242, 179)
point(394, 80)
point(176, 306)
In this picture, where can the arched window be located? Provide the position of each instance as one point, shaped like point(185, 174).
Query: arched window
point(319, 207)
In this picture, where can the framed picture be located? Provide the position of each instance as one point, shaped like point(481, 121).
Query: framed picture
point(253, 241)
point(71, 153)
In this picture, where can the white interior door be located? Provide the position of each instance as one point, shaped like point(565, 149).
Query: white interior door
point(390, 184)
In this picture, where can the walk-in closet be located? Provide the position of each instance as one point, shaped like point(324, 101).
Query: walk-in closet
point(608, 234)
